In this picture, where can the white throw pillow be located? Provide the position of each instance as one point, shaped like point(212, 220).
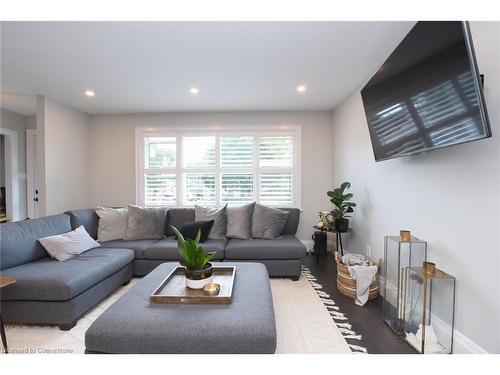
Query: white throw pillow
point(112, 223)
point(67, 245)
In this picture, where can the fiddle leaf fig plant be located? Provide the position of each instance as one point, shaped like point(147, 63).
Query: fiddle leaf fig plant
point(341, 201)
point(193, 257)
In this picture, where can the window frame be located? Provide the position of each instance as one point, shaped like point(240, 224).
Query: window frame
point(255, 131)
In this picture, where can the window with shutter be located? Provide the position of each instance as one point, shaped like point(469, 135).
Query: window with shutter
point(219, 166)
point(159, 178)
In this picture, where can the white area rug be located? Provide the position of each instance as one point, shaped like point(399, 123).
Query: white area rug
point(304, 323)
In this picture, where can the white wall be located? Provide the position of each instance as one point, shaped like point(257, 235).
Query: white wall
point(112, 179)
point(448, 197)
point(63, 146)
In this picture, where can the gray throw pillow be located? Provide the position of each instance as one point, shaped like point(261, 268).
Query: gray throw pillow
point(268, 222)
point(218, 215)
point(239, 221)
point(112, 223)
point(145, 222)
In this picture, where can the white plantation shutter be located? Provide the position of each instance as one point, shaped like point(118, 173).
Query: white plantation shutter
point(237, 188)
point(276, 170)
point(159, 171)
point(198, 152)
point(276, 189)
point(236, 152)
point(276, 151)
point(218, 167)
point(199, 188)
point(160, 189)
point(236, 167)
point(198, 161)
point(160, 152)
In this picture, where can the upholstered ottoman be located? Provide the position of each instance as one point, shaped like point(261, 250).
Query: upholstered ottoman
point(134, 325)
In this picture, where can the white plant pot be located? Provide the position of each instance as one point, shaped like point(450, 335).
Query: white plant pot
point(198, 284)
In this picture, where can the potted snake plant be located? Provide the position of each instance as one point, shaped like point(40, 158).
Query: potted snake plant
point(343, 206)
point(199, 270)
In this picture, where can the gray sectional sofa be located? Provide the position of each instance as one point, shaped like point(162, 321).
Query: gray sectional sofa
point(52, 292)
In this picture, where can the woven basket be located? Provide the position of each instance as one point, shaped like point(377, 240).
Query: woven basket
point(347, 285)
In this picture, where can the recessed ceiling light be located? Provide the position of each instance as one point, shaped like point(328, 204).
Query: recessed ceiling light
point(90, 93)
point(194, 90)
point(301, 88)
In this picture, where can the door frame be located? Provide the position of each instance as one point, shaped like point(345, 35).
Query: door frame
point(11, 173)
point(30, 168)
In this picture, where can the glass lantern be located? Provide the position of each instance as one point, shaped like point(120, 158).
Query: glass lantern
point(400, 252)
point(429, 309)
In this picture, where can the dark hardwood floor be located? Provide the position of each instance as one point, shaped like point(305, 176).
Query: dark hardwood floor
point(366, 320)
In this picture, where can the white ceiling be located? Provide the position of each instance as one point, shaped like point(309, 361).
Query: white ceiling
point(150, 66)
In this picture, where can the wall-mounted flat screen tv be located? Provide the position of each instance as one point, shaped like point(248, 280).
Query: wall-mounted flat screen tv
point(428, 93)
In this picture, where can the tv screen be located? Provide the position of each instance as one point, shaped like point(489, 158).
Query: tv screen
point(427, 94)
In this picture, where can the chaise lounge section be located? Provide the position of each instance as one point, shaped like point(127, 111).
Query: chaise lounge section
point(48, 291)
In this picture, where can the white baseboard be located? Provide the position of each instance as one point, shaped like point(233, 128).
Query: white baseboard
point(461, 343)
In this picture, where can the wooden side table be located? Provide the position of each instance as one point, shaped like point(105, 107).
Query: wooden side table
point(338, 237)
point(4, 281)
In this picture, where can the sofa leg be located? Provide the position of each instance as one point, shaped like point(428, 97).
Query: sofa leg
point(295, 278)
point(126, 283)
point(67, 327)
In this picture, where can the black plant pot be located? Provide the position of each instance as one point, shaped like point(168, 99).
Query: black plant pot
point(341, 225)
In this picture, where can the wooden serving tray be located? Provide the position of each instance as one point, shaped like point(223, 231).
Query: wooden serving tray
point(173, 289)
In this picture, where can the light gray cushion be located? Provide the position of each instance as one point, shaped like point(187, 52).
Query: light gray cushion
point(285, 247)
point(166, 249)
point(112, 223)
point(239, 221)
point(218, 215)
point(134, 325)
point(268, 222)
point(67, 245)
point(178, 217)
point(137, 246)
point(19, 240)
point(50, 280)
point(145, 222)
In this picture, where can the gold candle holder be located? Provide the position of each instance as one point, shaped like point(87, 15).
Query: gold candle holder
point(429, 268)
point(211, 289)
point(404, 236)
